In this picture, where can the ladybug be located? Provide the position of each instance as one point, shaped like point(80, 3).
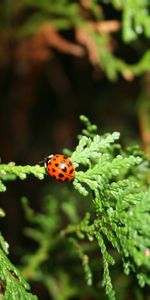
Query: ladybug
point(60, 167)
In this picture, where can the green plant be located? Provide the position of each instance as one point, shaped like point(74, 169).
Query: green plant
point(116, 216)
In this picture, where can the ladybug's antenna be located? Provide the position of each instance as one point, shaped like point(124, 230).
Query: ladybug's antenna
point(46, 159)
point(42, 161)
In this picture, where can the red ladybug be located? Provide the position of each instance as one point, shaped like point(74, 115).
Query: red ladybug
point(60, 167)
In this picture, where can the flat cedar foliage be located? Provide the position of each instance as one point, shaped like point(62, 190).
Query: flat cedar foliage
point(91, 240)
point(117, 219)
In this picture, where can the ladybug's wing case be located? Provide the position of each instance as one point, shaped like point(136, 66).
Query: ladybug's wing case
point(70, 168)
point(67, 169)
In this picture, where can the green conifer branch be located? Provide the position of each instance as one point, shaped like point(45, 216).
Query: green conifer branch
point(84, 260)
point(12, 284)
point(118, 199)
point(10, 172)
point(118, 185)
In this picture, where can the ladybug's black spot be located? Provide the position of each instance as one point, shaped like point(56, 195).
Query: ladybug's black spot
point(66, 179)
point(65, 157)
point(56, 155)
point(63, 168)
point(61, 175)
point(71, 171)
point(53, 170)
point(54, 158)
point(70, 164)
point(57, 165)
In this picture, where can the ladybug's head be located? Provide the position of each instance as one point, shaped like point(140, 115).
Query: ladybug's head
point(47, 160)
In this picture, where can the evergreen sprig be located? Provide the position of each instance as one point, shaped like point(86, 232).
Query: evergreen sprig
point(12, 284)
point(10, 172)
point(117, 183)
point(120, 201)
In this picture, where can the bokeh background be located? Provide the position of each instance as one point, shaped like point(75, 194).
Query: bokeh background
point(58, 60)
